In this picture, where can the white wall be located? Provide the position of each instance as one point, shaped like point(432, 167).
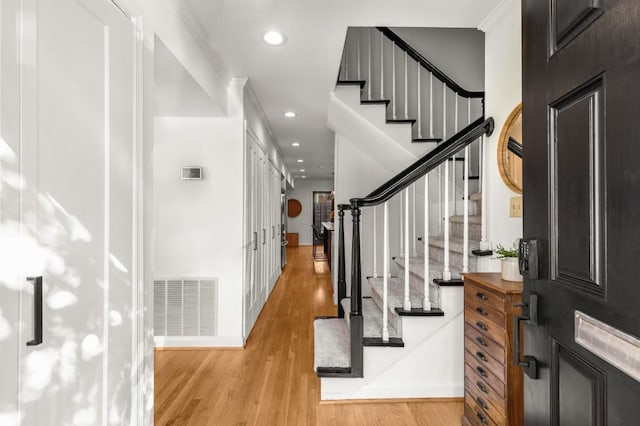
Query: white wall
point(199, 224)
point(196, 236)
point(303, 192)
point(503, 85)
point(465, 67)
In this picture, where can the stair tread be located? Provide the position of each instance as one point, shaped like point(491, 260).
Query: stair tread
point(475, 219)
point(437, 140)
point(416, 267)
point(401, 120)
point(371, 317)
point(375, 101)
point(395, 292)
point(476, 197)
point(332, 343)
point(360, 83)
point(456, 244)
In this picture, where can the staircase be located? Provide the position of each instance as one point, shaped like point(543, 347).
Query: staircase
point(405, 337)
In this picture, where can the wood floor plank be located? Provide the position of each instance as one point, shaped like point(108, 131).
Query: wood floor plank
point(271, 381)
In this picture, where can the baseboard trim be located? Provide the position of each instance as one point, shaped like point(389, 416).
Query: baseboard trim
point(205, 342)
point(390, 401)
point(198, 348)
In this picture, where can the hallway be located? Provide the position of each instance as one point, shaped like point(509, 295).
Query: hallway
point(271, 381)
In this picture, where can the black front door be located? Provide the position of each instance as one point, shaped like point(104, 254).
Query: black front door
point(581, 122)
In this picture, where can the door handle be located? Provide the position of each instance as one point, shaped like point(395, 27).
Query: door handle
point(255, 241)
point(530, 315)
point(264, 236)
point(37, 311)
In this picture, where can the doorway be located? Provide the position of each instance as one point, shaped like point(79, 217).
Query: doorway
point(322, 213)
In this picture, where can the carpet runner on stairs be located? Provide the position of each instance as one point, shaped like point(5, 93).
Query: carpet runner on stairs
point(332, 343)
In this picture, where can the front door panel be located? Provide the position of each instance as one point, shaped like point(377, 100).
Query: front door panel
point(581, 196)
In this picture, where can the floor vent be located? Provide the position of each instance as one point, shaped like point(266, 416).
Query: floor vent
point(185, 307)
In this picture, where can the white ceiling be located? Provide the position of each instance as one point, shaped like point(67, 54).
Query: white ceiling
point(300, 74)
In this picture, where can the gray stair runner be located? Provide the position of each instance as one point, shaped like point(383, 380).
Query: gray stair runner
point(372, 318)
point(331, 343)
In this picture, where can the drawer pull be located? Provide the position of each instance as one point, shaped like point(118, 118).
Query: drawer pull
point(481, 356)
point(482, 311)
point(482, 296)
point(481, 371)
point(482, 387)
point(482, 403)
point(482, 418)
point(481, 341)
point(482, 326)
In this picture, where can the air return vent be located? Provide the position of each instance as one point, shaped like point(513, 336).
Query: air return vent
point(185, 307)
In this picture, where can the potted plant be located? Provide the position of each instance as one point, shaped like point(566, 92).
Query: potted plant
point(509, 260)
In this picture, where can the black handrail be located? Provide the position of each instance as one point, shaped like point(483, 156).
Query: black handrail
point(428, 65)
point(427, 163)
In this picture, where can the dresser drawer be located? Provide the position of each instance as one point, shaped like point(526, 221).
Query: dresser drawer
point(476, 417)
point(475, 371)
point(483, 342)
point(488, 328)
point(476, 354)
point(478, 387)
point(488, 313)
point(475, 294)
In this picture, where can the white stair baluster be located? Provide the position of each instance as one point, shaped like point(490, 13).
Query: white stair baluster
point(484, 244)
point(426, 303)
point(465, 212)
point(375, 244)
point(446, 273)
point(455, 164)
point(414, 249)
point(369, 76)
point(381, 66)
point(386, 273)
point(440, 203)
point(419, 102)
point(467, 166)
point(407, 289)
point(401, 226)
point(406, 87)
point(393, 79)
point(431, 105)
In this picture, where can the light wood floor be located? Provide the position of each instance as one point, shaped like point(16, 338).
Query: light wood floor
point(271, 381)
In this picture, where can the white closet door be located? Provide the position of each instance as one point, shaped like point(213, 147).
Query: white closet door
point(78, 113)
point(9, 212)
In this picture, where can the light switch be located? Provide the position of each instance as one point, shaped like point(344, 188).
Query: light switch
point(515, 207)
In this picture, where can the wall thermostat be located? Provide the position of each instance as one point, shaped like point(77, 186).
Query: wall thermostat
point(191, 173)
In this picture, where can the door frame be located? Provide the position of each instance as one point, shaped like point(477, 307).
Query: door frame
point(142, 345)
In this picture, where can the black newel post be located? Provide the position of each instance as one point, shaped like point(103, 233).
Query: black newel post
point(356, 324)
point(342, 283)
point(356, 284)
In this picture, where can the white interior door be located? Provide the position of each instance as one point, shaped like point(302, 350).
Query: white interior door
point(9, 212)
point(75, 147)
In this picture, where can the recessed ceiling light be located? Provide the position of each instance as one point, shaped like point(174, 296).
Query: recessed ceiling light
point(290, 114)
point(303, 176)
point(300, 160)
point(274, 38)
point(295, 144)
point(301, 170)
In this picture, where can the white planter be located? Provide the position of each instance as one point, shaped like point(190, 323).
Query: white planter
point(510, 270)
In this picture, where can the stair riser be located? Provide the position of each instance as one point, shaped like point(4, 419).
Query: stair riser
point(475, 230)
point(455, 259)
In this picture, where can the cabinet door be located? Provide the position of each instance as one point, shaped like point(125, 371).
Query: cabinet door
point(78, 132)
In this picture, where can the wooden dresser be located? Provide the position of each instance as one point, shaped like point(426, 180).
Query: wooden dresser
point(493, 384)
